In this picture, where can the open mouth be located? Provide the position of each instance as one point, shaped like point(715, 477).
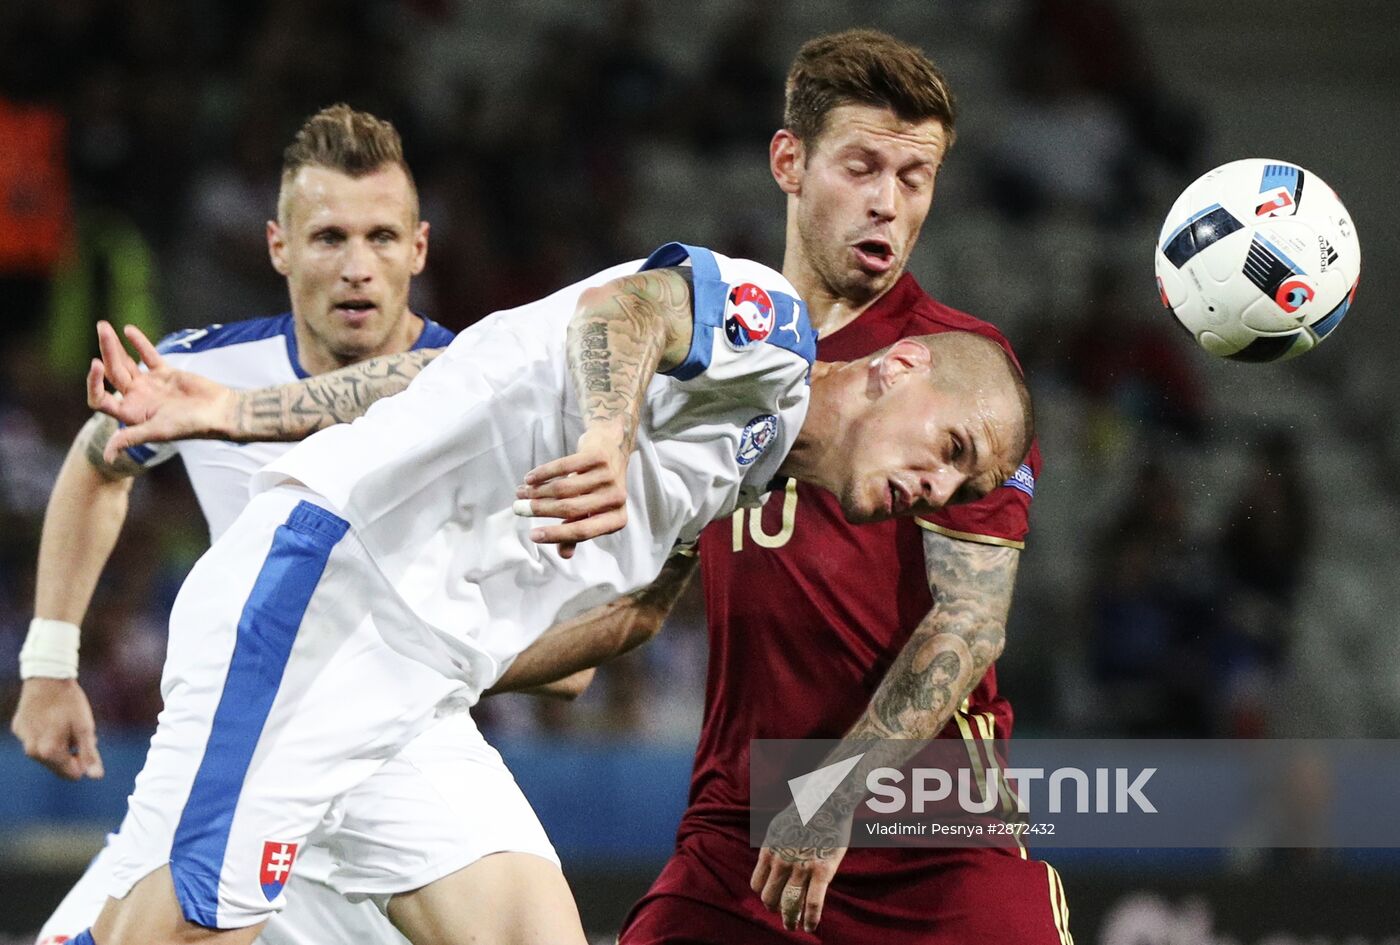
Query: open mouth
point(897, 501)
point(874, 255)
point(355, 311)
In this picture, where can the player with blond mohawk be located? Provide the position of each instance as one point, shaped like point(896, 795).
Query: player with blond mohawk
point(348, 240)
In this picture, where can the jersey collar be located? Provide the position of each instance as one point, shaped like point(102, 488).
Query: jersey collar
point(289, 330)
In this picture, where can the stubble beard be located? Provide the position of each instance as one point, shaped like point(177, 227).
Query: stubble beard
point(349, 347)
point(836, 272)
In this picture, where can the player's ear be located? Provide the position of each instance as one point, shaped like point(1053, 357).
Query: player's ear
point(901, 359)
point(277, 247)
point(420, 247)
point(787, 160)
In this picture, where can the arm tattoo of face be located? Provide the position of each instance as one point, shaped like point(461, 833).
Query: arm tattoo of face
point(938, 667)
point(293, 411)
point(971, 585)
point(950, 650)
point(923, 687)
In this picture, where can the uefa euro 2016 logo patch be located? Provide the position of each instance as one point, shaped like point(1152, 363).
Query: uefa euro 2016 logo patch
point(276, 868)
point(748, 315)
point(758, 433)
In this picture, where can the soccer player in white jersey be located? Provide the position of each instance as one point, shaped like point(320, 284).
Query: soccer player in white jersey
point(348, 239)
point(680, 390)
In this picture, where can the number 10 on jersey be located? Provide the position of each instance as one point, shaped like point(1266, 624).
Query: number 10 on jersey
point(754, 518)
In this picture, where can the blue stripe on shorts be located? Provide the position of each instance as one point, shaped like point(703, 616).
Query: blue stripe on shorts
point(267, 628)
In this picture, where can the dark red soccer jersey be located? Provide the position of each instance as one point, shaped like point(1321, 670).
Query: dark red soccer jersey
point(806, 612)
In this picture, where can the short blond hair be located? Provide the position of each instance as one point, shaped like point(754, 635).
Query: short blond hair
point(339, 138)
point(967, 359)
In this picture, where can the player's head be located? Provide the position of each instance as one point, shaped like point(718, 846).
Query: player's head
point(347, 234)
point(866, 123)
point(929, 421)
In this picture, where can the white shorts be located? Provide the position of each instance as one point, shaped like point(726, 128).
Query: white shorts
point(442, 803)
point(288, 716)
point(315, 913)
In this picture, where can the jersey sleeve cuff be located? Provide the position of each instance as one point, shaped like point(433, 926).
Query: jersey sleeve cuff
point(707, 303)
point(970, 536)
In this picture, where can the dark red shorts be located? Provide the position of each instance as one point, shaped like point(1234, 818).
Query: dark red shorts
point(880, 897)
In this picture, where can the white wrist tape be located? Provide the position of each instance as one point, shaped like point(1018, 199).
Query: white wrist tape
point(50, 650)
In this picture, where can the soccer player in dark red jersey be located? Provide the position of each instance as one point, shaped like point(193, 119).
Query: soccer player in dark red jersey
point(820, 629)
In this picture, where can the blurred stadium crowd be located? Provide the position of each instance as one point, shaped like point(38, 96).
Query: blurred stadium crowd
point(1175, 566)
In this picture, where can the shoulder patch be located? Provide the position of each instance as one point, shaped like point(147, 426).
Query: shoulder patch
point(758, 434)
point(748, 315)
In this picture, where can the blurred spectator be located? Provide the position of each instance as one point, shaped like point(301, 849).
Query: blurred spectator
point(1152, 617)
point(722, 107)
point(223, 270)
point(634, 85)
point(33, 403)
point(109, 274)
point(1131, 364)
point(16, 597)
point(35, 213)
point(1090, 120)
point(35, 216)
point(1269, 535)
point(1265, 550)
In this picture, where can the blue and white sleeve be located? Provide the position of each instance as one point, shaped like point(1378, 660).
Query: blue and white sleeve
point(753, 348)
point(746, 315)
point(153, 454)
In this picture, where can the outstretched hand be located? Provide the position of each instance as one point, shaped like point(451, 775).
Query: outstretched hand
point(157, 405)
point(587, 489)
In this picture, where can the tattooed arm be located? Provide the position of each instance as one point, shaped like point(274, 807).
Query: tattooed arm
point(942, 662)
point(620, 335)
point(163, 404)
point(295, 411)
point(600, 634)
point(950, 650)
point(561, 663)
point(81, 524)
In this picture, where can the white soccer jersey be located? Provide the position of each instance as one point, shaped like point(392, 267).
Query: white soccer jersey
point(428, 478)
point(260, 352)
point(248, 354)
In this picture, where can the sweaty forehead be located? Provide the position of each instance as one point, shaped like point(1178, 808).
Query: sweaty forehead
point(998, 422)
point(879, 129)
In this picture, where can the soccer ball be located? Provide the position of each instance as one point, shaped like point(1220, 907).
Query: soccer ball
point(1259, 260)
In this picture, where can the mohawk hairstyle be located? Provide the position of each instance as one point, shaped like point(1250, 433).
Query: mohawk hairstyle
point(339, 138)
